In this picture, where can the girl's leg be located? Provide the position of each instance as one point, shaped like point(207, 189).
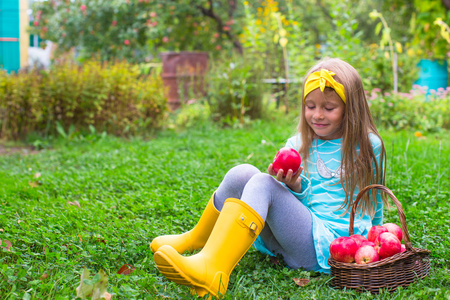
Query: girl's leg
point(264, 202)
point(288, 229)
point(233, 184)
point(231, 187)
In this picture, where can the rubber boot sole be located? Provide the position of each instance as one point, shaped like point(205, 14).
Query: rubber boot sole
point(175, 274)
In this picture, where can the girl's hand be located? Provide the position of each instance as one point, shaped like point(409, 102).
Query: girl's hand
point(293, 181)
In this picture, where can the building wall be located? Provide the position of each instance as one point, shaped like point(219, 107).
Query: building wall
point(14, 39)
point(24, 35)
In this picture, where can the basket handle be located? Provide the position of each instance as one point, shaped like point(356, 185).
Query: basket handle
point(401, 214)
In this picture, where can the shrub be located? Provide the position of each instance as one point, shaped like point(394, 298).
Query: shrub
point(236, 89)
point(411, 111)
point(190, 114)
point(113, 97)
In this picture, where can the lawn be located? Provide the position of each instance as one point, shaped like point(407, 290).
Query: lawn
point(97, 201)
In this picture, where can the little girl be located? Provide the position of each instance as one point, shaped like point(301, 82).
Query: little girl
point(293, 215)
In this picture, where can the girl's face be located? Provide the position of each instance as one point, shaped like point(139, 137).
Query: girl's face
point(324, 113)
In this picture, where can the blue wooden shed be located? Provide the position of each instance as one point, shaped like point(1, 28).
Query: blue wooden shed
point(14, 39)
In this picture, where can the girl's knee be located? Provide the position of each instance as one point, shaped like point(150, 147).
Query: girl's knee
point(264, 179)
point(242, 173)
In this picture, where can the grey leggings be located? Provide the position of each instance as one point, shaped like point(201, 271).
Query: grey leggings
point(288, 227)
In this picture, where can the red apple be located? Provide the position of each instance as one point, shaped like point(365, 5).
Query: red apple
point(368, 243)
point(366, 254)
point(402, 248)
point(387, 245)
point(395, 230)
point(286, 158)
point(343, 249)
point(358, 239)
point(375, 231)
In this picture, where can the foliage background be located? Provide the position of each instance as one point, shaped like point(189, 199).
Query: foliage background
point(287, 35)
point(111, 97)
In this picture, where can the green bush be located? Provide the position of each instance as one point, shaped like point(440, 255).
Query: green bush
point(411, 111)
point(114, 98)
point(236, 89)
point(19, 103)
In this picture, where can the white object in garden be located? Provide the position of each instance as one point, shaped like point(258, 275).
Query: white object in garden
point(38, 57)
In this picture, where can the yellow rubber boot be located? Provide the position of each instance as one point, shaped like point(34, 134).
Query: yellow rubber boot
point(208, 271)
point(194, 238)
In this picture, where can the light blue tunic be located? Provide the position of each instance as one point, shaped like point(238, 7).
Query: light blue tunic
point(324, 197)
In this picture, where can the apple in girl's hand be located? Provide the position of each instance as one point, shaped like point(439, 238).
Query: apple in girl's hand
point(366, 254)
point(367, 243)
point(375, 231)
point(343, 249)
point(286, 158)
point(395, 230)
point(358, 239)
point(402, 248)
point(387, 245)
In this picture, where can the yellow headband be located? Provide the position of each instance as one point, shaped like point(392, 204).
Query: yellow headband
point(321, 79)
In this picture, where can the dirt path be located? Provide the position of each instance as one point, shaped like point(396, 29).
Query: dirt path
point(4, 150)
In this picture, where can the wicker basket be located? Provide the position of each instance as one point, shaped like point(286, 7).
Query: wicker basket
point(398, 270)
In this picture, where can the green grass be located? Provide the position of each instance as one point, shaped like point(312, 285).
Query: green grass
point(133, 190)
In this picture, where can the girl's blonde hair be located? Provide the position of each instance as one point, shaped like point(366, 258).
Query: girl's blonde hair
point(357, 124)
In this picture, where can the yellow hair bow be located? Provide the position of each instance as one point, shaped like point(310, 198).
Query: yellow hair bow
point(321, 79)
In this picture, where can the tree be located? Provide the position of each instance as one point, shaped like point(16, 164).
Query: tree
point(135, 29)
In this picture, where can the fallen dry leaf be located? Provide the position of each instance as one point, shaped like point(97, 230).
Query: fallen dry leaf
point(107, 296)
point(274, 260)
point(44, 276)
point(98, 238)
point(37, 175)
point(1, 229)
point(34, 184)
point(126, 269)
point(74, 203)
point(301, 281)
point(6, 245)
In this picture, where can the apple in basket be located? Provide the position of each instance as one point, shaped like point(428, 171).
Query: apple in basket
point(375, 231)
point(286, 158)
point(395, 230)
point(387, 245)
point(402, 248)
point(343, 249)
point(366, 254)
point(359, 239)
point(367, 243)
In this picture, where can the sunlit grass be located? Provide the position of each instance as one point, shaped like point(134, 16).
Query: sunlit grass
point(130, 191)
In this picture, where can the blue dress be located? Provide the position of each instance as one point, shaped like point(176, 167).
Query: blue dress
point(323, 196)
